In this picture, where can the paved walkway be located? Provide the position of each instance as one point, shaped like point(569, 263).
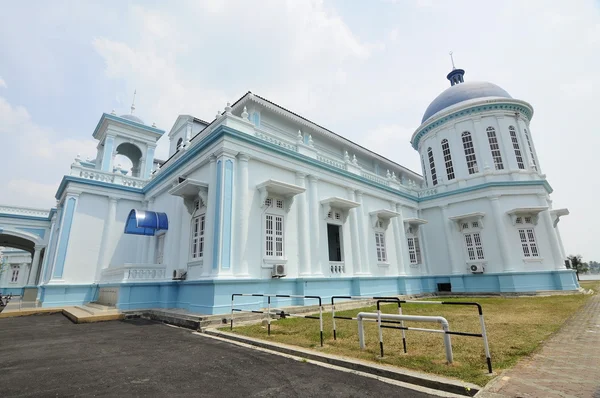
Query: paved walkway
point(567, 366)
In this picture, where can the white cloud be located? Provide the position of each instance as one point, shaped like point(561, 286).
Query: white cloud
point(2, 82)
point(34, 157)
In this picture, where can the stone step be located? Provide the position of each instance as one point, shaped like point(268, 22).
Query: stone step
point(101, 307)
point(80, 314)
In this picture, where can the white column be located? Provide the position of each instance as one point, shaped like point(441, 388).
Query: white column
point(424, 249)
point(503, 135)
point(354, 242)
point(315, 227)
point(35, 264)
point(150, 241)
point(478, 135)
point(139, 249)
point(106, 242)
point(243, 214)
point(48, 251)
point(210, 218)
point(399, 239)
point(174, 239)
point(303, 228)
point(507, 262)
point(552, 238)
point(363, 235)
point(455, 266)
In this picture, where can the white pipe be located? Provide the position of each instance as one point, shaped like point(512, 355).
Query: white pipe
point(416, 318)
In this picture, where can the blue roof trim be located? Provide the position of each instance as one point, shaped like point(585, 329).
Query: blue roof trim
point(144, 222)
point(125, 121)
point(79, 180)
point(497, 184)
point(18, 217)
point(474, 109)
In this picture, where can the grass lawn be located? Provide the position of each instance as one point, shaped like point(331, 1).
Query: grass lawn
point(515, 327)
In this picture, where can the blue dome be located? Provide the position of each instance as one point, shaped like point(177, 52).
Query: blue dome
point(463, 92)
point(132, 118)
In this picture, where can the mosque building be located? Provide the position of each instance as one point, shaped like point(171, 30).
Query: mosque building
point(262, 200)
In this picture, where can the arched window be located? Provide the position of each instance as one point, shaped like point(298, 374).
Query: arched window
point(432, 166)
point(469, 153)
point(448, 159)
point(494, 148)
point(533, 162)
point(179, 143)
point(515, 143)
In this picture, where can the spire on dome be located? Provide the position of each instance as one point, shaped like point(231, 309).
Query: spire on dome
point(456, 75)
point(133, 102)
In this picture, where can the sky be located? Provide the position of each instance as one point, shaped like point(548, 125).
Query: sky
point(364, 69)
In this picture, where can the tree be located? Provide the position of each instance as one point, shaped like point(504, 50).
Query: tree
point(577, 264)
point(594, 267)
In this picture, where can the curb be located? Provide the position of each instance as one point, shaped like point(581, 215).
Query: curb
point(386, 371)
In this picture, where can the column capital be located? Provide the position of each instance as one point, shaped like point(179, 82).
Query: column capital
point(300, 175)
point(212, 158)
point(350, 191)
point(113, 199)
point(359, 193)
point(226, 152)
point(494, 197)
point(313, 178)
point(243, 157)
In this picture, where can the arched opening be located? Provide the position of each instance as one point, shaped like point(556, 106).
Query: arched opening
point(15, 261)
point(130, 156)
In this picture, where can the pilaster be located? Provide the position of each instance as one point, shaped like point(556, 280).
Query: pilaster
point(507, 261)
point(364, 236)
point(354, 242)
point(456, 267)
point(315, 226)
point(303, 228)
point(399, 239)
point(241, 233)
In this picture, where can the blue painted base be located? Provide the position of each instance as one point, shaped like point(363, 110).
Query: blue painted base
point(15, 291)
point(214, 296)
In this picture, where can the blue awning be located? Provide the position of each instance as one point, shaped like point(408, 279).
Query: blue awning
point(143, 222)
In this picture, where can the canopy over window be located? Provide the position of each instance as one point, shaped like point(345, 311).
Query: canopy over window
point(143, 222)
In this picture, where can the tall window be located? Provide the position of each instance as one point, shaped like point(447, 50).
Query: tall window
point(15, 275)
point(160, 249)
point(414, 247)
point(448, 160)
point(432, 166)
point(335, 248)
point(515, 143)
point(494, 148)
point(469, 153)
point(533, 162)
point(380, 243)
point(527, 237)
point(274, 231)
point(472, 236)
point(179, 144)
point(197, 235)
point(424, 170)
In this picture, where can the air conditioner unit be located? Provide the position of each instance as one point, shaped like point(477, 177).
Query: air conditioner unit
point(179, 274)
point(278, 271)
point(476, 268)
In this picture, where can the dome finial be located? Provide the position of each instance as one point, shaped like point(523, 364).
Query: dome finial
point(456, 75)
point(133, 102)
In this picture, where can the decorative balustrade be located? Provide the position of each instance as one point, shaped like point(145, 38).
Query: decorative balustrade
point(111, 178)
point(427, 192)
point(134, 273)
point(332, 162)
point(275, 140)
point(337, 267)
point(24, 211)
point(374, 177)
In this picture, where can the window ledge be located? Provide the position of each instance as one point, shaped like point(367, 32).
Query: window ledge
point(269, 262)
point(533, 260)
point(414, 265)
point(383, 265)
point(476, 262)
point(195, 263)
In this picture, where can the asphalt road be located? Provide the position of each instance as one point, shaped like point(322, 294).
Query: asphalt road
point(47, 355)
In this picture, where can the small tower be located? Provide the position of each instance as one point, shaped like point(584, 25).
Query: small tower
point(456, 76)
point(129, 136)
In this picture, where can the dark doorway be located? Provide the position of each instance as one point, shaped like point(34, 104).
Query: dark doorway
point(335, 242)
